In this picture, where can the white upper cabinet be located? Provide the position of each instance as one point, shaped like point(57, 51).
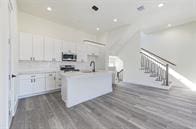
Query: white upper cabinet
point(49, 49)
point(81, 52)
point(25, 47)
point(58, 50)
point(93, 50)
point(53, 49)
point(69, 47)
point(38, 48)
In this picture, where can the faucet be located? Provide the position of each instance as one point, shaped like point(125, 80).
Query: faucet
point(93, 62)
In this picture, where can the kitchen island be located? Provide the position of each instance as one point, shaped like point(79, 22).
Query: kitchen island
point(78, 87)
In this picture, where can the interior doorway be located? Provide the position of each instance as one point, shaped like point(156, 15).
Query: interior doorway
point(116, 65)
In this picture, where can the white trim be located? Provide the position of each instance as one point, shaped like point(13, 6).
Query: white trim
point(40, 93)
point(157, 87)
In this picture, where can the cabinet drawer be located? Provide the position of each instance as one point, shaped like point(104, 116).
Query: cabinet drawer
point(50, 74)
point(30, 76)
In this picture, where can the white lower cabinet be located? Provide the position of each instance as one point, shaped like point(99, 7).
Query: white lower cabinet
point(58, 80)
point(26, 87)
point(50, 81)
point(39, 85)
point(31, 84)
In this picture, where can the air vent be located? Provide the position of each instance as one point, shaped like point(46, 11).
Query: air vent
point(95, 8)
point(140, 8)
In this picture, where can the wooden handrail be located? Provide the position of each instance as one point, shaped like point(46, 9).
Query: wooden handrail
point(158, 57)
point(153, 59)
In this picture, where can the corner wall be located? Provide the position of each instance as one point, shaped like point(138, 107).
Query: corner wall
point(131, 58)
point(4, 64)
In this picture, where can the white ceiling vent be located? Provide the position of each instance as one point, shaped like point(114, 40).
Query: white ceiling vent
point(140, 8)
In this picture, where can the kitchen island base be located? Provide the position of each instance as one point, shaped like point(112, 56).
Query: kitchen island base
point(81, 87)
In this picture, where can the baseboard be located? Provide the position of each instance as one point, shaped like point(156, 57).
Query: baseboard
point(15, 108)
point(158, 87)
point(40, 93)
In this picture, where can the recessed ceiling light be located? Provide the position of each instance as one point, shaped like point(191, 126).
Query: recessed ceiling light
point(115, 20)
point(97, 28)
point(169, 25)
point(140, 8)
point(49, 8)
point(160, 5)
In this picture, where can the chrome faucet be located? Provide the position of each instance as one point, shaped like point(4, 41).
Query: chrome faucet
point(93, 62)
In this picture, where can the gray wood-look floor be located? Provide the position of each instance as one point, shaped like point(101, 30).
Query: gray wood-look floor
point(128, 107)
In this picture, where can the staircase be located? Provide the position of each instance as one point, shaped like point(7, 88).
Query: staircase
point(156, 66)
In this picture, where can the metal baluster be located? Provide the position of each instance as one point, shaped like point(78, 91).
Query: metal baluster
point(167, 75)
point(142, 62)
point(164, 78)
point(153, 70)
point(146, 65)
point(159, 74)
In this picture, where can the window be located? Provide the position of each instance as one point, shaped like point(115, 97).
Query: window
point(115, 61)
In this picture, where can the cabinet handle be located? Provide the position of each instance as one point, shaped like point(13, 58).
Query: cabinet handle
point(50, 74)
point(31, 80)
point(34, 80)
point(31, 58)
point(54, 78)
point(34, 58)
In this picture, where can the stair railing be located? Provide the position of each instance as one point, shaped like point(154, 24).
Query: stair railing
point(156, 66)
point(119, 75)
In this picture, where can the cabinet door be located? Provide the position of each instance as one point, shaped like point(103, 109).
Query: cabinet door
point(96, 50)
point(93, 50)
point(89, 49)
point(38, 48)
point(58, 50)
point(49, 49)
point(69, 47)
point(81, 52)
point(58, 80)
point(39, 85)
point(50, 81)
point(26, 87)
point(25, 46)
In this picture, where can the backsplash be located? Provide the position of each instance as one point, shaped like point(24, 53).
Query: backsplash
point(40, 66)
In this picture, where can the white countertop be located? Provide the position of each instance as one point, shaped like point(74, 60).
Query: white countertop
point(84, 74)
point(42, 71)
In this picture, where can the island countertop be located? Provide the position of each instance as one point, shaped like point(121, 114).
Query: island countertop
point(84, 74)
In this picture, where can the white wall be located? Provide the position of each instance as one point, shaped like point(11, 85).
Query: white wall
point(4, 64)
point(40, 26)
point(131, 59)
point(177, 44)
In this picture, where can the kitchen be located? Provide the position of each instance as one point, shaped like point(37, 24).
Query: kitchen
point(95, 64)
point(43, 61)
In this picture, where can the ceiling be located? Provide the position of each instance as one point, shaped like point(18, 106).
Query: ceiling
point(78, 13)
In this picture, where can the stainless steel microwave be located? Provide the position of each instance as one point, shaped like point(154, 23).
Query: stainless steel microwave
point(69, 57)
